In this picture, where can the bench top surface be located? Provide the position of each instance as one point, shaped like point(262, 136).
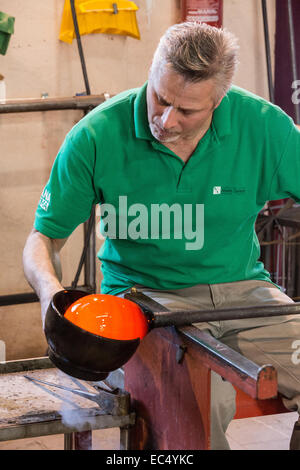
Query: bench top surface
point(22, 400)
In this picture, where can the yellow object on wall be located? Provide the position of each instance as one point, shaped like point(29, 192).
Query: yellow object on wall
point(100, 16)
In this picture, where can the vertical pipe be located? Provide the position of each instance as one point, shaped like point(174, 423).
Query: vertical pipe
point(269, 73)
point(69, 441)
point(80, 50)
point(268, 53)
point(90, 259)
point(124, 438)
point(283, 254)
point(293, 53)
point(88, 255)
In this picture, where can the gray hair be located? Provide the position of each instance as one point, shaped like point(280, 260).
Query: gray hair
point(199, 52)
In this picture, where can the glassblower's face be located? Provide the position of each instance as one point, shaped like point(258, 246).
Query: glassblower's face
point(178, 110)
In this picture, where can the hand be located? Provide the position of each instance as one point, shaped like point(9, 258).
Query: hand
point(46, 300)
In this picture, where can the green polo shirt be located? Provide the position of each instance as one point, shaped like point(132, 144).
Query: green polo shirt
point(170, 224)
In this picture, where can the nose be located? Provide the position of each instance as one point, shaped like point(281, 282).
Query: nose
point(169, 117)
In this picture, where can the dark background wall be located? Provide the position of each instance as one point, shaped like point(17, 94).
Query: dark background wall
point(283, 90)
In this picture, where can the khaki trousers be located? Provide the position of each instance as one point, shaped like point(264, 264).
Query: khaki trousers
point(263, 340)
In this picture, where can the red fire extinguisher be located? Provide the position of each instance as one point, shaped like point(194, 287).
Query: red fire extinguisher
point(205, 11)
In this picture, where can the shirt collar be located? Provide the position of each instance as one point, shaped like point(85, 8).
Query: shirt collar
point(141, 123)
point(221, 116)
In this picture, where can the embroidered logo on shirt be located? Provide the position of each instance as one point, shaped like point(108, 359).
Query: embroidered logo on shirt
point(217, 190)
point(45, 200)
point(228, 191)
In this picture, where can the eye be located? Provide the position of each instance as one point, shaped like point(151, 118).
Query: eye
point(161, 101)
point(187, 112)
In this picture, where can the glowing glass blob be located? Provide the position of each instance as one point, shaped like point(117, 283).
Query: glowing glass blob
point(108, 316)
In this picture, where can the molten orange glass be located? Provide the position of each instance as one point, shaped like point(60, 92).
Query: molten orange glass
point(108, 316)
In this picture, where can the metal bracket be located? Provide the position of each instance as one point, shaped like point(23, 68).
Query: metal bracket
point(181, 350)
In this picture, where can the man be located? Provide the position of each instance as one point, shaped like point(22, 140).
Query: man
point(204, 156)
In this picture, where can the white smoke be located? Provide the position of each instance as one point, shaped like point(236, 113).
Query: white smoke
point(72, 414)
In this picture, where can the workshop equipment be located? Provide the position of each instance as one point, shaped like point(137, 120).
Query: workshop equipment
point(78, 352)
point(90, 356)
point(104, 398)
point(30, 408)
point(174, 413)
point(100, 16)
point(7, 23)
point(205, 11)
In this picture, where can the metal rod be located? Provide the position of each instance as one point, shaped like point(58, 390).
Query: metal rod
point(69, 441)
point(267, 47)
point(124, 437)
point(81, 393)
point(15, 299)
point(80, 50)
point(293, 54)
point(30, 297)
point(181, 318)
point(218, 349)
point(160, 316)
point(22, 365)
point(88, 256)
point(90, 263)
point(29, 106)
point(103, 398)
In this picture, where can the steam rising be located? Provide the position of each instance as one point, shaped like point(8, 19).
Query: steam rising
point(73, 415)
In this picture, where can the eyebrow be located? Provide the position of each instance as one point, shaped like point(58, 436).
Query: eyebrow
point(165, 103)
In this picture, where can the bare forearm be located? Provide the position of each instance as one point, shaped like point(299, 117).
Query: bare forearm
point(42, 267)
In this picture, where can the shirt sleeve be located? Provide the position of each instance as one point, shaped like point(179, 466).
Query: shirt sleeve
point(69, 194)
point(286, 179)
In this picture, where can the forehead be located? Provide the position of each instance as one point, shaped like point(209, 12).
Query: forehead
point(175, 90)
